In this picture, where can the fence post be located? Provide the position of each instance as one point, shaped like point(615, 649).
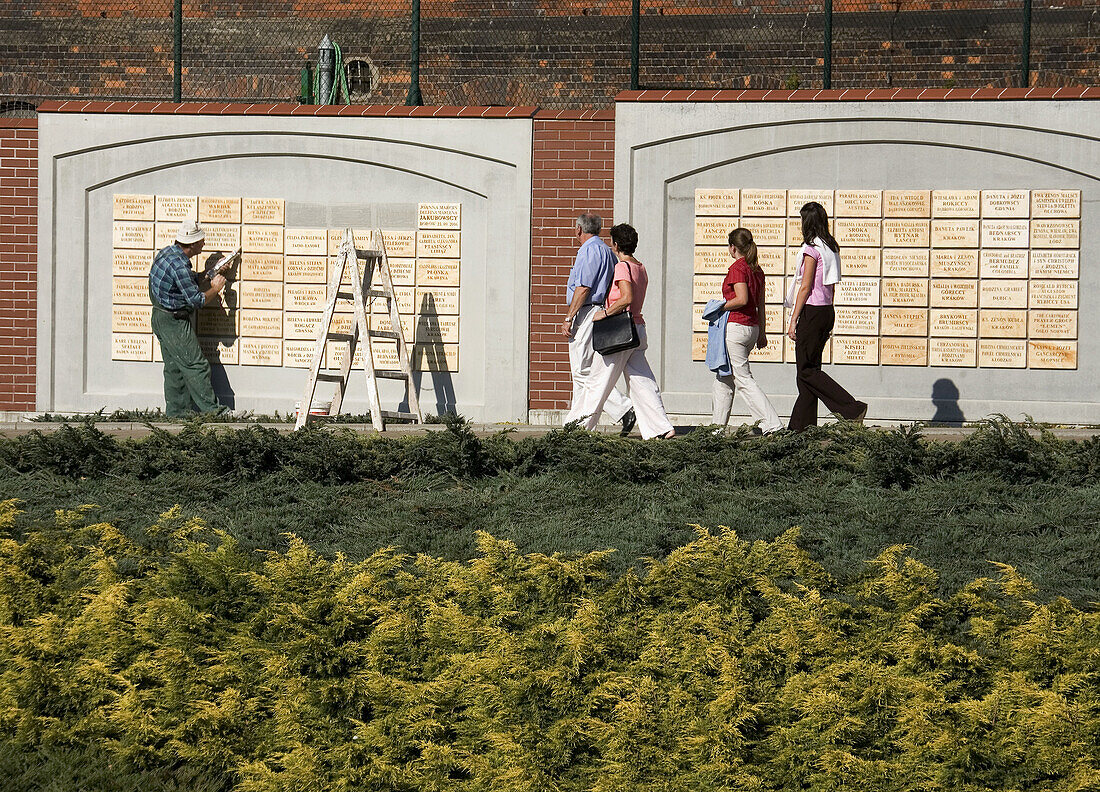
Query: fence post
point(827, 65)
point(1025, 68)
point(177, 51)
point(635, 42)
point(414, 63)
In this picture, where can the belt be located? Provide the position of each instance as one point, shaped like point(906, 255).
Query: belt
point(175, 313)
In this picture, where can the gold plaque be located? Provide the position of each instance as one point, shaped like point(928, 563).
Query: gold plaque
point(907, 203)
point(1063, 234)
point(132, 234)
point(437, 300)
point(400, 244)
point(262, 238)
point(219, 350)
point(133, 207)
point(305, 242)
point(305, 269)
point(856, 291)
point(131, 318)
point(698, 323)
point(438, 272)
point(176, 208)
point(956, 203)
point(904, 321)
point(773, 289)
point(257, 322)
point(911, 292)
point(1003, 323)
point(216, 321)
point(796, 199)
point(712, 260)
point(130, 291)
point(435, 357)
point(954, 352)
point(302, 297)
point(766, 230)
point(954, 233)
point(1052, 324)
point(336, 351)
point(860, 261)
point(994, 353)
point(794, 231)
point(723, 203)
point(1004, 234)
point(439, 215)
point(407, 322)
point(1055, 263)
point(219, 210)
point(858, 203)
point(406, 301)
point(261, 351)
point(1006, 203)
point(438, 244)
point(903, 351)
point(698, 346)
point(262, 266)
point(904, 233)
point(1052, 354)
point(262, 211)
point(299, 354)
point(773, 319)
point(1053, 294)
point(856, 321)
point(859, 233)
point(345, 279)
point(709, 287)
point(132, 346)
point(1003, 294)
point(772, 353)
point(157, 358)
point(222, 238)
point(953, 322)
point(402, 271)
point(1003, 264)
point(859, 350)
point(431, 329)
point(795, 256)
point(953, 263)
point(133, 263)
point(903, 262)
point(261, 294)
point(771, 260)
point(714, 230)
point(344, 323)
point(1055, 203)
point(385, 355)
point(164, 234)
point(763, 203)
point(301, 326)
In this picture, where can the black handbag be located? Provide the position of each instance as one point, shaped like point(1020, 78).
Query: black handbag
point(614, 333)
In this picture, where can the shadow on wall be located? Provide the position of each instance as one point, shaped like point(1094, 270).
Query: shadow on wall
point(435, 360)
point(945, 398)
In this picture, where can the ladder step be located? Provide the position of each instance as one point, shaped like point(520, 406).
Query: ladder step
point(363, 255)
point(325, 377)
point(408, 416)
point(379, 293)
point(341, 337)
point(384, 334)
point(343, 295)
point(391, 374)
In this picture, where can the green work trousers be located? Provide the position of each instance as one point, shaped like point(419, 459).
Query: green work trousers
point(187, 385)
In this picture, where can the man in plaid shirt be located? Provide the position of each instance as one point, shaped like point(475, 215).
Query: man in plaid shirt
point(176, 296)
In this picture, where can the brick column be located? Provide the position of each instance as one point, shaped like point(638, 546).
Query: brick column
point(18, 261)
point(573, 172)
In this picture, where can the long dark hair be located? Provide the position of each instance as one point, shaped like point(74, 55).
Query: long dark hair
point(815, 223)
point(741, 238)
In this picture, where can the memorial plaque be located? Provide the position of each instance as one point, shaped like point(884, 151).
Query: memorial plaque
point(953, 322)
point(1053, 294)
point(1004, 234)
point(1055, 263)
point(343, 323)
point(219, 210)
point(723, 203)
point(907, 203)
point(435, 357)
point(767, 230)
point(858, 203)
point(132, 346)
point(221, 237)
point(261, 351)
point(904, 233)
point(345, 279)
point(856, 321)
point(408, 324)
point(698, 323)
point(400, 244)
point(257, 322)
point(794, 231)
point(164, 234)
point(859, 233)
point(402, 271)
point(860, 261)
point(130, 291)
point(262, 238)
point(954, 233)
point(1064, 234)
point(1060, 325)
point(773, 289)
point(303, 297)
point(299, 354)
point(858, 350)
point(438, 244)
point(219, 350)
point(262, 211)
point(176, 208)
point(1003, 323)
point(796, 199)
point(261, 294)
point(131, 318)
point(772, 353)
point(262, 266)
point(1052, 354)
point(157, 357)
point(712, 260)
point(956, 203)
point(385, 355)
point(301, 326)
point(904, 321)
point(698, 346)
point(132, 234)
point(1003, 294)
point(133, 207)
point(1002, 354)
point(436, 329)
point(439, 215)
point(906, 292)
point(439, 300)
point(1055, 203)
point(952, 352)
point(336, 351)
point(856, 291)
point(214, 321)
point(1006, 203)
point(438, 272)
point(902, 262)
point(789, 353)
point(763, 203)
point(953, 263)
point(406, 301)
point(1003, 264)
point(305, 269)
point(305, 242)
point(714, 230)
point(903, 351)
point(773, 319)
point(771, 260)
point(133, 263)
point(709, 287)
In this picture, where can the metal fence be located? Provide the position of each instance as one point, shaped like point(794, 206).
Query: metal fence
point(530, 52)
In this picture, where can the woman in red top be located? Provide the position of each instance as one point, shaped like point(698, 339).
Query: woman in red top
point(743, 291)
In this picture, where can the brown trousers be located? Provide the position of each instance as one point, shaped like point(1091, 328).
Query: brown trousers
point(815, 323)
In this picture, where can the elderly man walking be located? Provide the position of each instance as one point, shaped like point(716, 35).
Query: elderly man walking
point(589, 281)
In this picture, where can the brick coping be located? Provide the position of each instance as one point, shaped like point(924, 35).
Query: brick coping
point(859, 95)
point(284, 109)
point(18, 123)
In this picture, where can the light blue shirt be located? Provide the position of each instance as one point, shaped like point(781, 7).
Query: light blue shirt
point(718, 357)
point(594, 268)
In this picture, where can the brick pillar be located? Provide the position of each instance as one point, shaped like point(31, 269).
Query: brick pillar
point(573, 172)
point(18, 261)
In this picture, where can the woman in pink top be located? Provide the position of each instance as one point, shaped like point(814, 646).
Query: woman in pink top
point(628, 292)
point(812, 321)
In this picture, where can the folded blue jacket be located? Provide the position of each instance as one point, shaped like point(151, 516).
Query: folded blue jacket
point(718, 358)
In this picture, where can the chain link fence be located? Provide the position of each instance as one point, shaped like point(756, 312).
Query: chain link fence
point(530, 52)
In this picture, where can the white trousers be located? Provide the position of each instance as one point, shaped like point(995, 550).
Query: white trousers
point(644, 393)
point(581, 357)
point(740, 341)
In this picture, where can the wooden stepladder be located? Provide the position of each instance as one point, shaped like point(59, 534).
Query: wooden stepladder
point(361, 293)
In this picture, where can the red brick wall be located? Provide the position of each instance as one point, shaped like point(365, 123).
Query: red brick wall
point(573, 172)
point(18, 261)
